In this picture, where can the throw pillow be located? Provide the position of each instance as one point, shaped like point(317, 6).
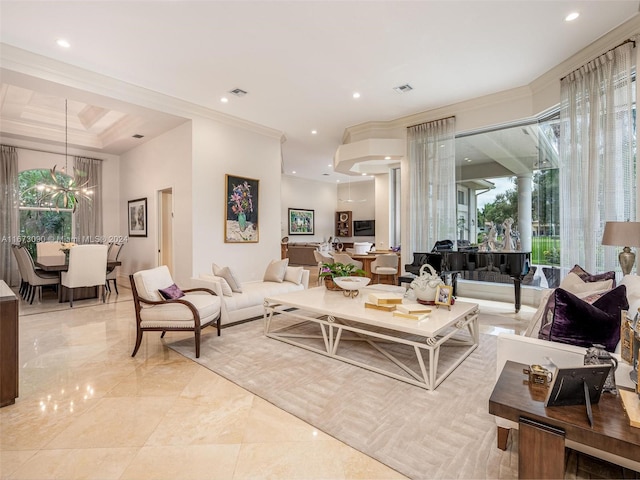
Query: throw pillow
point(228, 275)
point(294, 275)
point(578, 322)
point(171, 292)
point(575, 284)
point(226, 289)
point(588, 277)
point(276, 270)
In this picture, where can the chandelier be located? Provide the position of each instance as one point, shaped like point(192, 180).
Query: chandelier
point(59, 189)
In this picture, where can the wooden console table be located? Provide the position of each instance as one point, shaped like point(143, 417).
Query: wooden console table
point(8, 345)
point(543, 431)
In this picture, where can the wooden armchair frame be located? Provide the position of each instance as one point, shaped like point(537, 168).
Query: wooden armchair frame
point(196, 328)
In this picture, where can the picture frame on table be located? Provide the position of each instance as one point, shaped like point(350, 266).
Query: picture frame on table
point(137, 215)
point(301, 221)
point(444, 296)
point(241, 213)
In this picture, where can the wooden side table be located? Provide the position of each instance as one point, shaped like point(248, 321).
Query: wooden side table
point(8, 345)
point(544, 430)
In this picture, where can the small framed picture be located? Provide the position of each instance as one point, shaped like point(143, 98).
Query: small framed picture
point(301, 221)
point(444, 294)
point(138, 217)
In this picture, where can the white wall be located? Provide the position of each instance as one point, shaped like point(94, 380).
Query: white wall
point(32, 159)
point(220, 149)
point(163, 162)
point(310, 195)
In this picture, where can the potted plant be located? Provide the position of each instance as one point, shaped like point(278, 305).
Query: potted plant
point(328, 271)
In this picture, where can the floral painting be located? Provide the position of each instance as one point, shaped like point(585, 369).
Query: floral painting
point(301, 222)
point(241, 219)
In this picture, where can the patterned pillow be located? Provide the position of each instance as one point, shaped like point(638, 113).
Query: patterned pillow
point(171, 292)
point(587, 321)
point(588, 277)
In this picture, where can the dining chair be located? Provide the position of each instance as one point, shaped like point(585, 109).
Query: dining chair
point(346, 259)
point(112, 256)
point(49, 249)
point(22, 269)
point(36, 278)
point(321, 258)
point(386, 264)
point(87, 268)
point(184, 310)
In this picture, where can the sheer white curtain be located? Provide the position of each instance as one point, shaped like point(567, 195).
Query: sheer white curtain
point(88, 216)
point(432, 195)
point(597, 167)
point(9, 213)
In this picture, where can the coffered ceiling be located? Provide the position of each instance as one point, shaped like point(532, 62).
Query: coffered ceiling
point(300, 63)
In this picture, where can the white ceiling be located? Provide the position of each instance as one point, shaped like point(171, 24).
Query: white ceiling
point(299, 61)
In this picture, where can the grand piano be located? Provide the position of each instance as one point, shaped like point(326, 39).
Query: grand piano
point(500, 267)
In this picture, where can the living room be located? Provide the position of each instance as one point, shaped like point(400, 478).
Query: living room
point(192, 159)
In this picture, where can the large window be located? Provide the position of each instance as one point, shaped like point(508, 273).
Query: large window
point(41, 219)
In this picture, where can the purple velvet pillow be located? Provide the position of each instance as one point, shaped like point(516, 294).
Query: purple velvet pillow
point(587, 277)
point(580, 323)
point(171, 292)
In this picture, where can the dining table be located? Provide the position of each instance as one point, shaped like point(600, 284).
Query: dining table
point(60, 263)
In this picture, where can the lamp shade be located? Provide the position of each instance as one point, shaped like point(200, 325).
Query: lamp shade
point(621, 234)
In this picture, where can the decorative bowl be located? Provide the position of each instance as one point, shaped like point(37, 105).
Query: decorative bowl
point(351, 285)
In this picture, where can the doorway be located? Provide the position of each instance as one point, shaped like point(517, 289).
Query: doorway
point(165, 228)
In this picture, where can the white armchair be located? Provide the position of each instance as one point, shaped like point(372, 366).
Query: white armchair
point(87, 268)
point(190, 312)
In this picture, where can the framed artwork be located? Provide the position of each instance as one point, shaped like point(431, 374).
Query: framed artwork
point(301, 222)
point(137, 211)
point(444, 294)
point(241, 213)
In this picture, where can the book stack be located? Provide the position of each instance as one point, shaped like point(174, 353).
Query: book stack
point(383, 301)
point(412, 311)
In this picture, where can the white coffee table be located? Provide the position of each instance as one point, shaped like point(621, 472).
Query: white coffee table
point(337, 319)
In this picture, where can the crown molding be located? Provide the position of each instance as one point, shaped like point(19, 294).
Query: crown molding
point(45, 68)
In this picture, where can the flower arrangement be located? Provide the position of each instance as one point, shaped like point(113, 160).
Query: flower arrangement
point(66, 246)
point(240, 199)
point(332, 270)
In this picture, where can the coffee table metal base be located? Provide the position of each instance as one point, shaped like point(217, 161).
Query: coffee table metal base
point(332, 333)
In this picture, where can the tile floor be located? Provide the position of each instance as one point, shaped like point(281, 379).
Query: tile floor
point(88, 410)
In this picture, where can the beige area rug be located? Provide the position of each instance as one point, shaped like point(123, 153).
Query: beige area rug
point(446, 433)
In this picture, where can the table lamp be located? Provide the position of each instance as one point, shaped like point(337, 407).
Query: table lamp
point(625, 234)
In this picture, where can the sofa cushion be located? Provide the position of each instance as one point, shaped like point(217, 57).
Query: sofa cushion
point(207, 305)
point(229, 276)
point(171, 292)
point(254, 294)
point(579, 322)
point(276, 271)
point(588, 277)
point(149, 282)
point(294, 275)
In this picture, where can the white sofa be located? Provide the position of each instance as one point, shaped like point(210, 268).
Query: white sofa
point(529, 351)
point(238, 306)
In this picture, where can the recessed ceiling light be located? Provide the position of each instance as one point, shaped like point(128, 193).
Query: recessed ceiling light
point(63, 43)
point(294, 172)
point(364, 174)
point(356, 95)
point(314, 132)
point(329, 165)
point(387, 158)
point(571, 17)
point(337, 181)
point(224, 100)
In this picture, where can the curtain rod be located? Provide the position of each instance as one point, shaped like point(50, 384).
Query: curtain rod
point(431, 121)
point(629, 40)
point(47, 151)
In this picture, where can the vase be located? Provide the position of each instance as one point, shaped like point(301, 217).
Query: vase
point(330, 284)
point(242, 221)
